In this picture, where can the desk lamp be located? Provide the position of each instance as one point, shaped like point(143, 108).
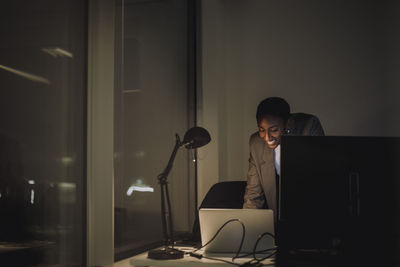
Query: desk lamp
point(195, 137)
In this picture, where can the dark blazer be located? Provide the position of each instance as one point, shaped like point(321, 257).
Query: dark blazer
point(261, 176)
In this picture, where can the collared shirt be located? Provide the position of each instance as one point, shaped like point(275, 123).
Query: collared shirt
point(277, 159)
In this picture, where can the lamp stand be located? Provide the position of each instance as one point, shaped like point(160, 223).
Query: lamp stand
point(168, 251)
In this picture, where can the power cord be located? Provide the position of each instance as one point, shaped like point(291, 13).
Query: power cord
point(199, 256)
point(257, 252)
point(256, 244)
point(255, 262)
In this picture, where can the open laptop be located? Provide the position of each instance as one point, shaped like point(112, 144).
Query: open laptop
point(256, 222)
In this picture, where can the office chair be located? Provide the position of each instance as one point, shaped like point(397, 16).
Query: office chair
point(223, 195)
point(226, 195)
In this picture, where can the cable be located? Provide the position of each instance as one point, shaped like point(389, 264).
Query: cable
point(219, 230)
point(266, 257)
point(216, 259)
point(200, 256)
point(258, 240)
point(256, 262)
point(257, 252)
point(255, 247)
point(193, 254)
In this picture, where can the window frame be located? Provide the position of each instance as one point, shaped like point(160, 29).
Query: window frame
point(100, 133)
point(100, 125)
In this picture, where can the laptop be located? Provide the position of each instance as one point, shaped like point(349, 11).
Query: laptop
point(256, 222)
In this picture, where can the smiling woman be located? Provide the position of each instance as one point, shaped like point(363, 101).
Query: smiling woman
point(270, 129)
point(274, 120)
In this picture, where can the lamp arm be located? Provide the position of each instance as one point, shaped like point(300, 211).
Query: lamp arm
point(162, 177)
point(194, 138)
point(166, 212)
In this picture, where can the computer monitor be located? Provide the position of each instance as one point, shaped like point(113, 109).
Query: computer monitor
point(339, 194)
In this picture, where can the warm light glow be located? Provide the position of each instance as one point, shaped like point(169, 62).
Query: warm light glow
point(143, 188)
point(139, 188)
point(66, 160)
point(57, 52)
point(32, 196)
point(67, 185)
point(26, 75)
point(31, 182)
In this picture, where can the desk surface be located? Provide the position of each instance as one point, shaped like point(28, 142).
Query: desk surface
point(141, 260)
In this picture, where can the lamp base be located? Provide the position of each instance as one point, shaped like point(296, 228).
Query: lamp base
point(165, 253)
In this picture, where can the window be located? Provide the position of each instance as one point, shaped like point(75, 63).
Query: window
point(152, 103)
point(42, 136)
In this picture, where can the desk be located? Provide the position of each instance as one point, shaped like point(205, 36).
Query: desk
point(141, 260)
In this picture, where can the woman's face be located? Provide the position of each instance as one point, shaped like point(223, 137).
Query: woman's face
point(271, 129)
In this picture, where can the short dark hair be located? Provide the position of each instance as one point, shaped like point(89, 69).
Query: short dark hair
point(274, 106)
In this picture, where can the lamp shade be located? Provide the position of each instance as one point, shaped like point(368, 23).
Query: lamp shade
point(196, 137)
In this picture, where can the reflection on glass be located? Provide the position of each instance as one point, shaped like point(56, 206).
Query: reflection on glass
point(151, 105)
point(57, 52)
point(32, 196)
point(29, 76)
point(139, 186)
point(42, 115)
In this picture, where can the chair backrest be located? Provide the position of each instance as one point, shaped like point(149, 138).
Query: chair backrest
point(227, 195)
point(223, 195)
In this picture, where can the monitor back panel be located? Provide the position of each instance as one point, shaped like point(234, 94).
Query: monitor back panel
point(340, 192)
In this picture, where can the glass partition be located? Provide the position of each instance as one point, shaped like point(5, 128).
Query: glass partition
point(152, 103)
point(42, 135)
